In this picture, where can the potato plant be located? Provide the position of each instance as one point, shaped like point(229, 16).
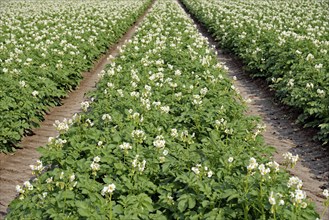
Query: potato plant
point(286, 42)
point(44, 48)
point(164, 136)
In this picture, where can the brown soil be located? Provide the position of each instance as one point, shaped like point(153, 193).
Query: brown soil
point(14, 168)
point(282, 132)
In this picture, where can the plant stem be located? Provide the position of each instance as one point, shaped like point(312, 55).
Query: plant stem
point(110, 206)
point(245, 206)
point(245, 212)
point(64, 199)
point(261, 196)
point(273, 211)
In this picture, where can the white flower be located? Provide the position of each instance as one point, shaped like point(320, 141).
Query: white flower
point(165, 109)
point(134, 94)
point(136, 116)
point(263, 170)
point(28, 185)
point(204, 91)
point(298, 196)
point(197, 100)
point(134, 163)
point(141, 166)
point(94, 166)
point(159, 142)
point(273, 165)
point(49, 180)
point(178, 73)
point(174, 132)
point(210, 173)
point(162, 159)
point(309, 85)
point(230, 159)
point(195, 170)
point(178, 95)
point(291, 82)
point(298, 52)
point(106, 117)
point(97, 159)
point(125, 146)
point(326, 193)
point(120, 92)
point(295, 182)
point(37, 168)
point(22, 83)
point(252, 164)
point(318, 66)
point(139, 135)
point(72, 177)
point(294, 159)
point(61, 126)
point(35, 93)
point(61, 175)
point(110, 85)
point(156, 103)
point(51, 139)
point(321, 92)
point(84, 106)
point(309, 57)
point(170, 197)
point(221, 122)
point(108, 189)
point(165, 152)
point(290, 159)
point(148, 88)
point(19, 189)
point(271, 199)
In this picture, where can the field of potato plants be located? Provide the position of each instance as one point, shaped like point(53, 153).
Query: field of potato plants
point(44, 47)
point(287, 42)
point(164, 135)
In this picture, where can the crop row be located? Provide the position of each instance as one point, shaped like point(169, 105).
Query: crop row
point(44, 47)
point(285, 42)
point(164, 136)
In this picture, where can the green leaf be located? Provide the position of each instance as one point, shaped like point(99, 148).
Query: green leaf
point(182, 205)
point(191, 202)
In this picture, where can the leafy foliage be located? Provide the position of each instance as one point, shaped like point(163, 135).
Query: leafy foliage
point(44, 47)
point(284, 41)
point(164, 138)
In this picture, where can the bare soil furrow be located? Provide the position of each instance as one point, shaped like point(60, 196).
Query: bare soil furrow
point(14, 168)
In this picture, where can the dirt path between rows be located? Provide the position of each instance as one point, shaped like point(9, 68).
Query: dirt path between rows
point(14, 168)
point(281, 130)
